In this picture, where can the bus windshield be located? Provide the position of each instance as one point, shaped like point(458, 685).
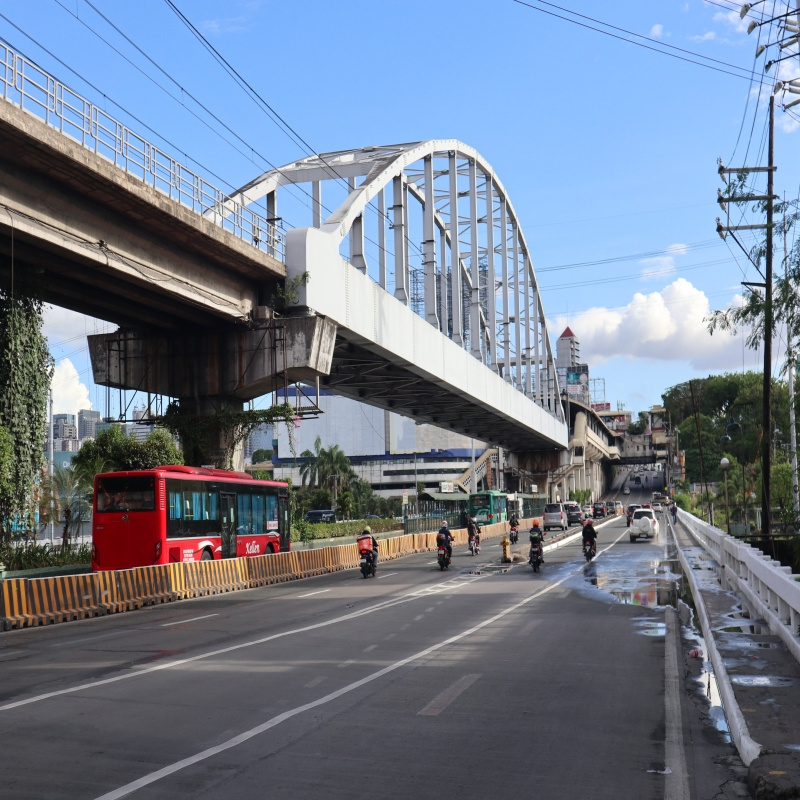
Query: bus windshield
point(136, 493)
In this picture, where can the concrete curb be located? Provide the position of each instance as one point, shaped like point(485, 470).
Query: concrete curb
point(748, 748)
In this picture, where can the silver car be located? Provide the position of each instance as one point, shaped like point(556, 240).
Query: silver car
point(555, 516)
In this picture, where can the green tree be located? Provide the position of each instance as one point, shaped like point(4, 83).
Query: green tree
point(345, 504)
point(119, 452)
point(333, 469)
point(309, 469)
point(261, 455)
point(26, 369)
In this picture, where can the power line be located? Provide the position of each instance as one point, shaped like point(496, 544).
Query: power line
point(748, 74)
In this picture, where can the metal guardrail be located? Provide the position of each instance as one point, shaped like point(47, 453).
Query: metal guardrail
point(27, 86)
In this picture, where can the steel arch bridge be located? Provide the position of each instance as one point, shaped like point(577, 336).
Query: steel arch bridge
point(431, 226)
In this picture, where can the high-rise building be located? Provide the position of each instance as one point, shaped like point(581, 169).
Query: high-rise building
point(572, 375)
point(87, 423)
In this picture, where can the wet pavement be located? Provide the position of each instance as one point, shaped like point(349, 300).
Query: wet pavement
point(763, 675)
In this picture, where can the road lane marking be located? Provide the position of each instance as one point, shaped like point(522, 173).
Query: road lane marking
point(388, 574)
point(346, 664)
point(390, 636)
point(92, 638)
point(676, 785)
point(444, 586)
point(370, 648)
point(183, 621)
point(203, 755)
point(529, 627)
point(321, 591)
point(316, 682)
point(418, 618)
point(428, 610)
point(441, 701)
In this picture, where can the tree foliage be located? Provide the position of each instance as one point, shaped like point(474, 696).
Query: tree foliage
point(112, 450)
point(261, 455)
point(26, 369)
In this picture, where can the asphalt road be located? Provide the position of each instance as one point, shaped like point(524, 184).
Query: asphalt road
point(473, 683)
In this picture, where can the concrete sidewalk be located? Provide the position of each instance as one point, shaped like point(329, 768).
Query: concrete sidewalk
point(757, 676)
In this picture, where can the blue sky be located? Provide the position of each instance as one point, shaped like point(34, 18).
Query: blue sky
point(608, 150)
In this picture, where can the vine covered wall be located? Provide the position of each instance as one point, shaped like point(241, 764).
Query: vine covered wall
point(26, 369)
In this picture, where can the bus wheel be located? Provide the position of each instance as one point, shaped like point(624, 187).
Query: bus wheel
point(206, 556)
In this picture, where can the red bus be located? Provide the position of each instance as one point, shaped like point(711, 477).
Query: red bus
point(176, 513)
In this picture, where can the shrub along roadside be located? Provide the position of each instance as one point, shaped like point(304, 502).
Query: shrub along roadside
point(303, 532)
point(17, 556)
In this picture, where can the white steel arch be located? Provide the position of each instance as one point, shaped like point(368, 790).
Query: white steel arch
point(430, 221)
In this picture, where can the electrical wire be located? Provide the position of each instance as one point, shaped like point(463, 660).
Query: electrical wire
point(748, 74)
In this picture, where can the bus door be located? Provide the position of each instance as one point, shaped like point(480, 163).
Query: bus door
point(283, 519)
point(227, 510)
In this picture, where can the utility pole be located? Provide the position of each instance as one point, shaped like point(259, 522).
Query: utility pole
point(790, 364)
point(766, 439)
point(722, 230)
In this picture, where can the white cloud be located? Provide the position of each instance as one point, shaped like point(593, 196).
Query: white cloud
point(69, 394)
point(64, 327)
point(733, 19)
point(705, 37)
point(660, 326)
point(660, 266)
point(657, 31)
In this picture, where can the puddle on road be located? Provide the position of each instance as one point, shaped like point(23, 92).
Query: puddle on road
point(773, 681)
point(653, 584)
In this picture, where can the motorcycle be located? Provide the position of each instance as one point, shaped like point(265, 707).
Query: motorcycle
point(535, 554)
point(514, 534)
point(475, 544)
point(443, 558)
point(589, 550)
point(367, 563)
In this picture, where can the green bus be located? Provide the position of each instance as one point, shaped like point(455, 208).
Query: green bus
point(489, 507)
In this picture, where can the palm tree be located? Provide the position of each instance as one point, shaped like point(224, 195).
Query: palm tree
point(333, 469)
point(73, 498)
point(309, 469)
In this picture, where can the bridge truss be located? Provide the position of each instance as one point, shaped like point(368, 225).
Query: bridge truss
point(432, 224)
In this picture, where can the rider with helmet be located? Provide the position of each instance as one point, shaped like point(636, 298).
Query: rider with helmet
point(537, 536)
point(473, 530)
point(367, 532)
point(590, 535)
point(445, 537)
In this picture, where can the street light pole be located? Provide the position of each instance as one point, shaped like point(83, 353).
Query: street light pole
point(725, 463)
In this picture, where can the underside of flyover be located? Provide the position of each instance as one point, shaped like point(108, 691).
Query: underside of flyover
point(358, 373)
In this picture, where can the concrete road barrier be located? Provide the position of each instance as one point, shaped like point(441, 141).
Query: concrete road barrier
point(62, 599)
point(36, 601)
point(204, 578)
point(13, 603)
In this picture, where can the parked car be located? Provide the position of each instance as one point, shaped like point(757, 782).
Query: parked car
point(631, 508)
point(644, 523)
point(574, 513)
point(320, 515)
point(598, 510)
point(554, 517)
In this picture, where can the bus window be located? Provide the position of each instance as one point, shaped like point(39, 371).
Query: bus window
point(126, 494)
point(193, 509)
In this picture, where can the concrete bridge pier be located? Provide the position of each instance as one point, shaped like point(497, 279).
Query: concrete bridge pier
point(210, 370)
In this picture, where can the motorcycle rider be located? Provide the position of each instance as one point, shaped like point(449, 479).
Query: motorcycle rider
point(537, 537)
point(473, 530)
point(446, 538)
point(368, 532)
point(590, 535)
point(514, 524)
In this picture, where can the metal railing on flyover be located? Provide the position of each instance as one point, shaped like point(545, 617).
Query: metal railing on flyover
point(29, 87)
point(769, 588)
